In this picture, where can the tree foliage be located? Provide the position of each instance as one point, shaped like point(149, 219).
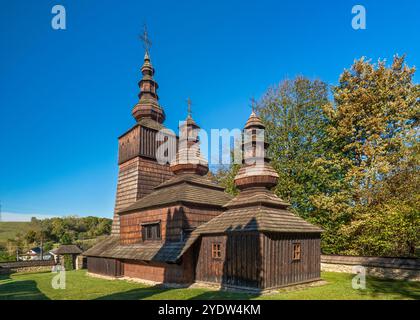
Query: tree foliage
point(65, 230)
point(350, 163)
point(374, 122)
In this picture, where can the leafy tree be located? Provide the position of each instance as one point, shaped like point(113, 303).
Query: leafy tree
point(31, 236)
point(225, 176)
point(48, 246)
point(66, 238)
point(349, 165)
point(374, 122)
point(310, 171)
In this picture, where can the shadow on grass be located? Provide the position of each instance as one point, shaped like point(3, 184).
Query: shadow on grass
point(136, 294)
point(11, 289)
point(225, 295)
point(407, 289)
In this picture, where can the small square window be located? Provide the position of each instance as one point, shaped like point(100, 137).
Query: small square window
point(151, 231)
point(216, 250)
point(296, 251)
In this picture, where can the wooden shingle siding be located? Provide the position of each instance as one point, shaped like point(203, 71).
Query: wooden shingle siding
point(182, 272)
point(173, 221)
point(139, 172)
point(136, 179)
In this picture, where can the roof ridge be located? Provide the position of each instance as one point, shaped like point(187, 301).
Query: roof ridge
point(196, 180)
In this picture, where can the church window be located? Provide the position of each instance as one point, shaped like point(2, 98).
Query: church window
point(216, 250)
point(151, 231)
point(296, 251)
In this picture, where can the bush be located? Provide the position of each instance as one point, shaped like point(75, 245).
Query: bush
point(68, 262)
point(5, 257)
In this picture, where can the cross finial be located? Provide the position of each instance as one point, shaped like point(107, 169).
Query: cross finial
point(253, 104)
point(145, 39)
point(189, 103)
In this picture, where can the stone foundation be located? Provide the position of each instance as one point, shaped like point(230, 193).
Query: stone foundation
point(388, 268)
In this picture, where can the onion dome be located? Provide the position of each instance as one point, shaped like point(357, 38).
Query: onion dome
point(256, 170)
point(254, 122)
point(189, 158)
point(148, 105)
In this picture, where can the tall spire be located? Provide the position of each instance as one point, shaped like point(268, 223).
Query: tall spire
point(189, 158)
point(256, 170)
point(148, 105)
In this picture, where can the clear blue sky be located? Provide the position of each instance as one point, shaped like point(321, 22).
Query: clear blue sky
point(65, 96)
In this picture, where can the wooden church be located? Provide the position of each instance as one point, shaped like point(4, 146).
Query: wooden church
point(173, 225)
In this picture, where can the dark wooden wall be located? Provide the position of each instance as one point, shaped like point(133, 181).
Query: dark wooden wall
point(105, 266)
point(278, 267)
point(258, 260)
point(142, 141)
point(240, 264)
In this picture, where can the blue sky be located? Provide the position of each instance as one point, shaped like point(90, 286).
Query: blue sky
point(65, 96)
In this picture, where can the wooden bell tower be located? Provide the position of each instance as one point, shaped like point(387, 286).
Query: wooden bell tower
point(139, 171)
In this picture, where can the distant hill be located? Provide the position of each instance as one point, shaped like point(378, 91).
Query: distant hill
point(8, 230)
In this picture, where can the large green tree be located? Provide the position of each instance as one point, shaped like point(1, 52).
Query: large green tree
point(310, 171)
point(373, 124)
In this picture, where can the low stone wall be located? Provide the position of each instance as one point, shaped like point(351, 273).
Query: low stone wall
point(391, 268)
point(26, 266)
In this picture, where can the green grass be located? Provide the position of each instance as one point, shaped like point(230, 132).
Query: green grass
point(80, 286)
point(8, 230)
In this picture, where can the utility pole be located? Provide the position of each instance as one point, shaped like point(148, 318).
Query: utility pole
point(42, 247)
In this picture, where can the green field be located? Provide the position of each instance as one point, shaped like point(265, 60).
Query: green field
point(8, 230)
point(80, 286)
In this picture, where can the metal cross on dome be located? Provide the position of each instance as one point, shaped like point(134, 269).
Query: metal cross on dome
point(253, 104)
point(189, 103)
point(145, 39)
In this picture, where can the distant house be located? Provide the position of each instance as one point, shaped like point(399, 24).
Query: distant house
point(36, 251)
point(35, 254)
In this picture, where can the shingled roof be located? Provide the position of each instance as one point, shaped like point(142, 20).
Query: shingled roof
point(146, 251)
point(183, 188)
point(257, 218)
point(257, 196)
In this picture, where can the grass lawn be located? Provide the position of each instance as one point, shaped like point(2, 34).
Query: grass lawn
point(81, 286)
